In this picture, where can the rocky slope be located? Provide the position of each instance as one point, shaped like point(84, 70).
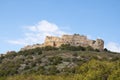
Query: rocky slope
point(61, 62)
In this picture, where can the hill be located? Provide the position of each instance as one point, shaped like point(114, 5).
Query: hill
point(63, 63)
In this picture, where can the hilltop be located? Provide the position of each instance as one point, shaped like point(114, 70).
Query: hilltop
point(70, 57)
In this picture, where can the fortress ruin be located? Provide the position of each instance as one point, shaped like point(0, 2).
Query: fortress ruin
point(73, 40)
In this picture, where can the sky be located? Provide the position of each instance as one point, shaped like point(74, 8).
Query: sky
point(27, 22)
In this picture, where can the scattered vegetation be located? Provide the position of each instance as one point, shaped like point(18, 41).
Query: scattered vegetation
point(64, 63)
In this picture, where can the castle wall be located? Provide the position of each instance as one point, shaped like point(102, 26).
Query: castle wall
point(74, 40)
point(53, 41)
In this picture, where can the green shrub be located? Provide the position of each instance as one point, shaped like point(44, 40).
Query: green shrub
point(71, 48)
point(55, 60)
point(89, 48)
point(48, 48)
point(53, 70)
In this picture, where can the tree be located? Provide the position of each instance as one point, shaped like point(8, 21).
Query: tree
point(105, 49)
point(48, 48)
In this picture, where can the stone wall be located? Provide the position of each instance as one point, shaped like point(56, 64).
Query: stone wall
point(74, 40)
point(53, 41)
point(31, 47)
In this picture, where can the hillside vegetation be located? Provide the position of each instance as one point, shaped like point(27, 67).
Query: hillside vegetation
point(64, 63)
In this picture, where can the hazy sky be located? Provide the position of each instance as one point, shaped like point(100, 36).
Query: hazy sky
point(24, 22)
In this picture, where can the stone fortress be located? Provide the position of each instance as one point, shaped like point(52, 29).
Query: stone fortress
point(73, 40)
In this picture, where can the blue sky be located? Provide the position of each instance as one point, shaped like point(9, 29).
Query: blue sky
point(24, 22)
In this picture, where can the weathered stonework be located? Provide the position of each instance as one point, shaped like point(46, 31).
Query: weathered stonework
point(74, 40)
point(31, 47)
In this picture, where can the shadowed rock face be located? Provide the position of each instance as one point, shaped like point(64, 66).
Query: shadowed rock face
point(74, 40)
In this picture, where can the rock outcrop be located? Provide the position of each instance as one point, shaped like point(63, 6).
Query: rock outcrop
point(74, 40)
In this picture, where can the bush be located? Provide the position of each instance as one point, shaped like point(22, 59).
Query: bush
point(48, 48)
point(71, 48)
point(53, 70)
point(97, 50)
point(65, 47)
point(55, 60)
point(36, 51)
point(89, 48)
point(105, 49)
point(81, 48)
point(10, 55)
